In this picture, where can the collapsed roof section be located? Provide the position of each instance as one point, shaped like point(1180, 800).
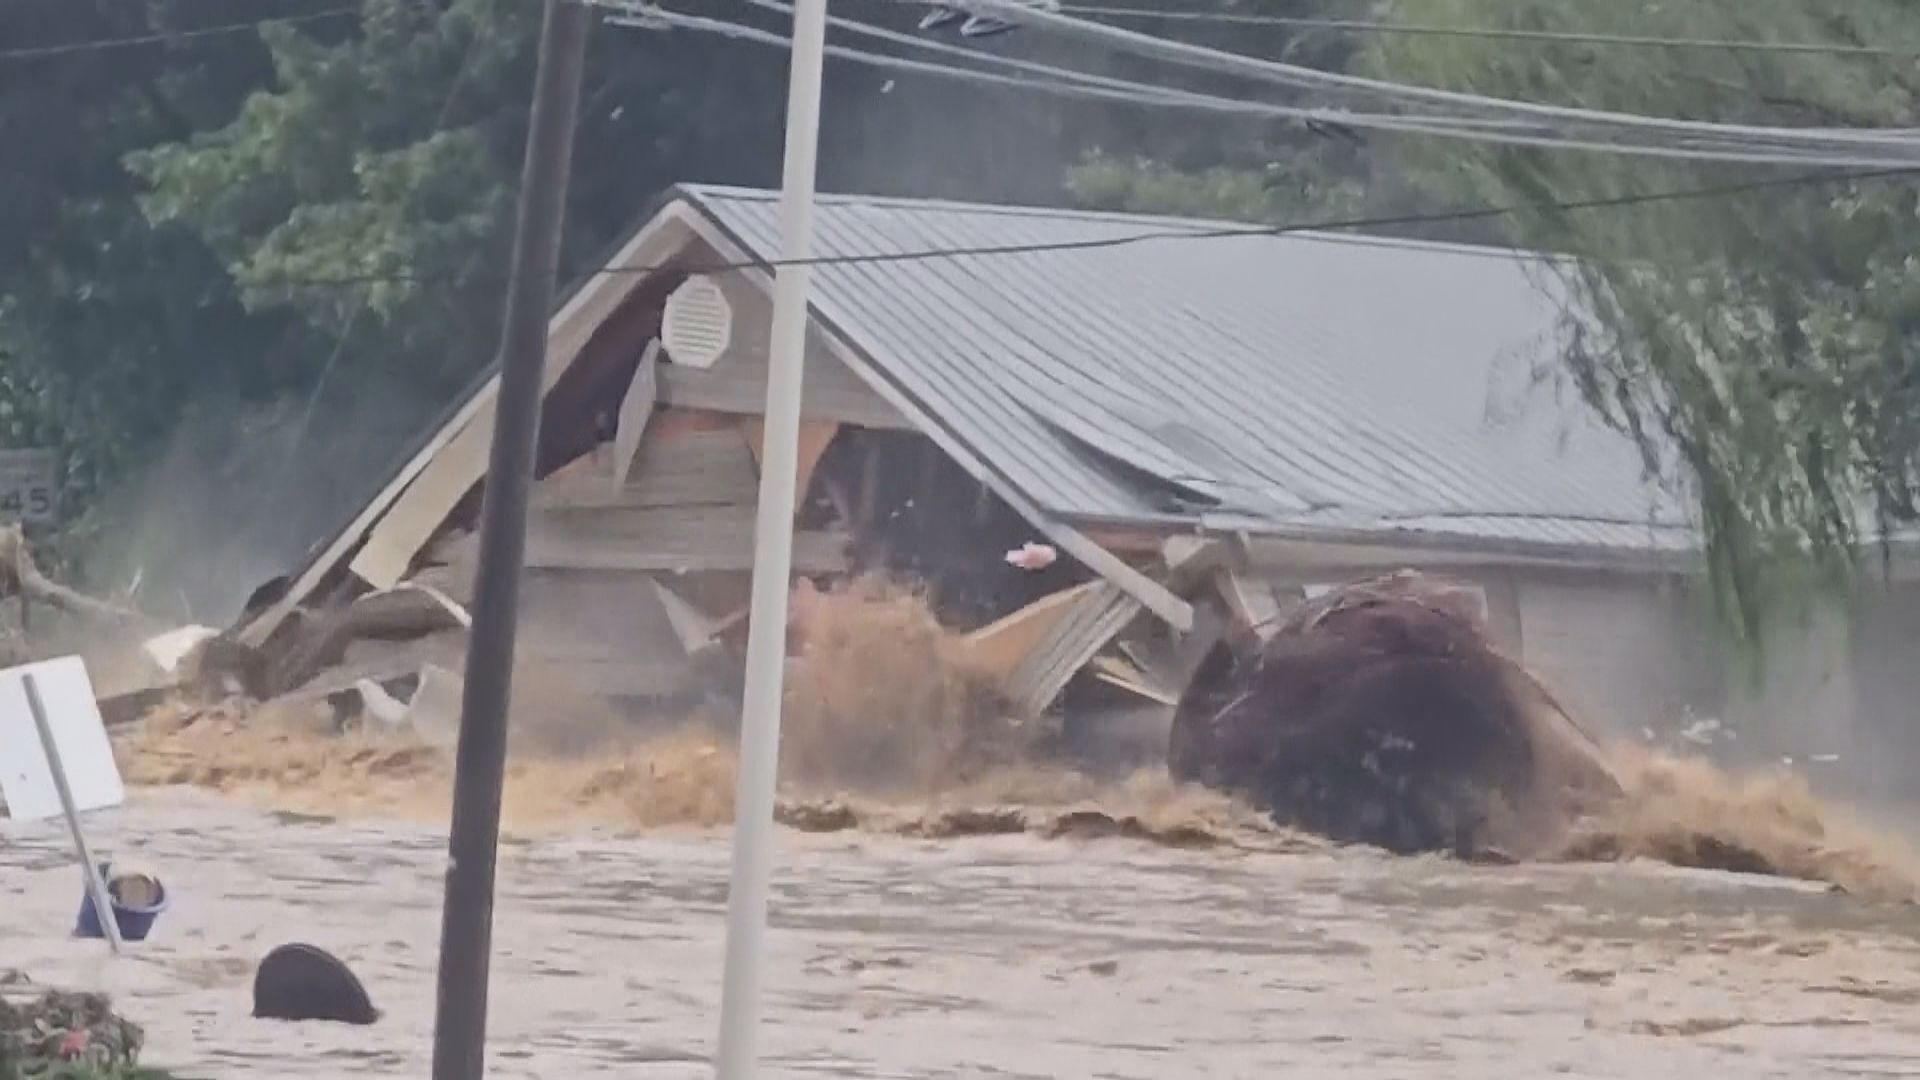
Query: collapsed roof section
point(1300, 389)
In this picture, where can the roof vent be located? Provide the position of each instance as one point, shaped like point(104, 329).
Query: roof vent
point(698, 323)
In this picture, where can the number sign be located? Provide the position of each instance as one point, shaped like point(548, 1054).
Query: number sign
point(27, 490)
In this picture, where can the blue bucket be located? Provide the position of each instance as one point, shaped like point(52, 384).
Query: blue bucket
point(134, 921)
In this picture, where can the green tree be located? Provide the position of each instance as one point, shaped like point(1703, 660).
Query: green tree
point(108, 325)
point(1761, 348)
point(365, 190)
point(1167, 162)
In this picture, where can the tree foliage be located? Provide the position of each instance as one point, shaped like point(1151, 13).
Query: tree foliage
point(1761, 348)
point(215, 252)
point(189, 227)
point(108, 325)
point(1173, 162)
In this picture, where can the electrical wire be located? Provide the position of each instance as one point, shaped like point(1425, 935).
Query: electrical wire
point(1117, 90)
point(1773, 154)
point(1491, 33)
point(102, 44)
point(1132, 90)
point(1306, 78)
point(1478, 129)
point(930, 43)
point(1202, 232)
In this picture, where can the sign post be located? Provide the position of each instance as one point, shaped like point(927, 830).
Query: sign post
point(89, 870)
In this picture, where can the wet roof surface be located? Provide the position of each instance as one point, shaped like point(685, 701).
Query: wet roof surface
point(1262, 382)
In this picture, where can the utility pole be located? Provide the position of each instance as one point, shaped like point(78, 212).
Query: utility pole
point(466, 928)
point(772, 560)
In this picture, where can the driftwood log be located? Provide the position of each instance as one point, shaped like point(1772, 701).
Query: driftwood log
point(309, 642)
point(1382, 714)
point(21, 576)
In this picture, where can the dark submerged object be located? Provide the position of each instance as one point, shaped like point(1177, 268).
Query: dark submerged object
point(1382, 714)
point(301, 982)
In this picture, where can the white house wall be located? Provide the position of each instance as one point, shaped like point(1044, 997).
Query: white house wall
point(1627, 654)
point(1881, 751)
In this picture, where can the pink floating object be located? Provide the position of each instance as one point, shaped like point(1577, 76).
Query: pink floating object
point(1032, 556)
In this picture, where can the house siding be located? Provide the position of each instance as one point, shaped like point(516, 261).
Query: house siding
point(1882, 744)
point(1625, 654)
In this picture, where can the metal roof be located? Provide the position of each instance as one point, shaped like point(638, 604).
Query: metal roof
point(1261, 383)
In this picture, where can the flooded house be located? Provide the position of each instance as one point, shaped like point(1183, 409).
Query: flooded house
point(1198, 425)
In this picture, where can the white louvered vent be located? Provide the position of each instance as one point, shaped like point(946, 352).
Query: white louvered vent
point(698, 324)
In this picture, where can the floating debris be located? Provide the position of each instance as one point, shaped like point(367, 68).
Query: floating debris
point(1381, 713)
point(302, 982)
point(58, 1034)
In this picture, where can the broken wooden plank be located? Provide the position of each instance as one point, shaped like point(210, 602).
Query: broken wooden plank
point(406, 528)
point(263, 624)
point(743, 392)
point(697, 468)
point(380, 662)
point(119, 710)
point(410, 609)
point(813, 553)
point(441, 474)
point(1189, 559)
point(694, 628)
point(999, 647)
point(1118, 673)
point(315, 642)
point(1250, 600)
point(453, 578)
point(636, 408)
point(1134, 543)
point(1090, 623)
point(683, 539)
point(684, 467)
point(815, 437)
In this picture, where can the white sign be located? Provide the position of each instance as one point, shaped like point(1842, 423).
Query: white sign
point(27, 491)
point(26, 781)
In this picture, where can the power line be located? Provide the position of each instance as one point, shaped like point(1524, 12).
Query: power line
point(102, 44)
point(1306, 78)
point(1120, 89)
point(1197, 232)
point(927, 42)
point(1145, 92)
point(1489, 32)
point(1106, 87)
point(1083, 85)
point(1205, 100)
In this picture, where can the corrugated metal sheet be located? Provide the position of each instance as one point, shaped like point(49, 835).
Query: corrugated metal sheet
point(1272, 380)
point(1092, 622)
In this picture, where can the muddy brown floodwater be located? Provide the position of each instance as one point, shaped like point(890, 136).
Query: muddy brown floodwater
point(1004, 956)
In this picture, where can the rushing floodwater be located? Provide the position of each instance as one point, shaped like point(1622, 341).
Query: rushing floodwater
point(988, 957)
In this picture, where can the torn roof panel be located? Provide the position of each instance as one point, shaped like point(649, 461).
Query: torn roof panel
point(1374, 380)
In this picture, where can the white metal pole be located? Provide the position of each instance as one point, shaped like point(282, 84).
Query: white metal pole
point(772, 560)
point(90, 870)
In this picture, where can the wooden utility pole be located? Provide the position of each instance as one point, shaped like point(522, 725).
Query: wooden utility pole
point(466, 929)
